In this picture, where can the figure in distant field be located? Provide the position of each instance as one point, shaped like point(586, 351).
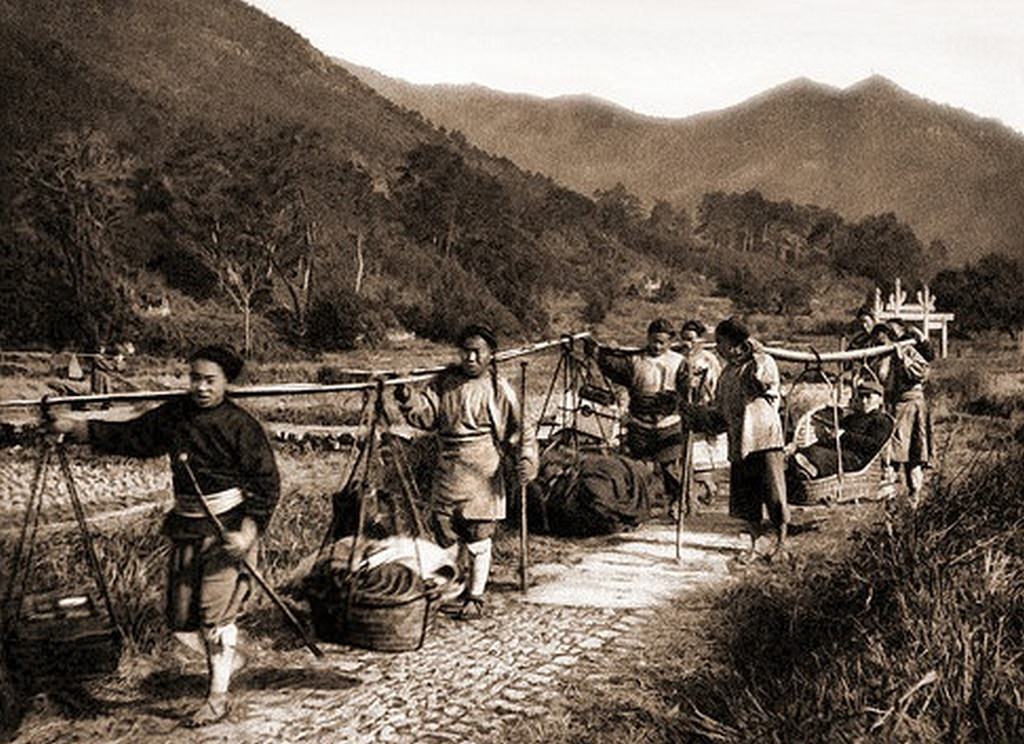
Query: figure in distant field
point(655, 379)
point(746, 406)
point(99, 374)
point(231, 458)
point(702, 370)
point(903, 373)
point(475, 413)
point(862, 433)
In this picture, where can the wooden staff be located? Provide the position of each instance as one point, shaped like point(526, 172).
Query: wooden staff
point(686, 486)
point(523, 546)
point(222, 532)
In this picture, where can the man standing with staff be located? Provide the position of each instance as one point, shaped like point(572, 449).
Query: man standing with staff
point(226, 450)
point(702, 370)
point(476, 415)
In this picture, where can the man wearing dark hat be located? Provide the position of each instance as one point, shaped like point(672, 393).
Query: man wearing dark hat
point(475, 413)
point(655, 377)
point(747, 408)
point(861, 434)
point(231, 458)
point(903, 373)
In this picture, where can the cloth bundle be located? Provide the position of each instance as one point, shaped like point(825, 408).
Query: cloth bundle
point(588, 494)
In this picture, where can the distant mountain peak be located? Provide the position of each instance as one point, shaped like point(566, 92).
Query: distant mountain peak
point(876, 85)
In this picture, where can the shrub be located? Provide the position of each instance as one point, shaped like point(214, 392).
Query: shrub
point(344, 320)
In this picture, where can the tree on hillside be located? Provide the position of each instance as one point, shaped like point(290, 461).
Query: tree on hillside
point(431, 189)
point(881, 248)
point(75, 191)
point(987, 295)
point(619, 211)
point(230, 203)
point(328, 203)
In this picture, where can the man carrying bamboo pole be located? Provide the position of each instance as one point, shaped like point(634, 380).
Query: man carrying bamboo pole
point(655, 378)
point(230, 456)
point(747, 408)
point(475, 413)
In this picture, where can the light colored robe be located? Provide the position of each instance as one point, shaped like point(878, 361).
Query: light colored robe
point(476, 419)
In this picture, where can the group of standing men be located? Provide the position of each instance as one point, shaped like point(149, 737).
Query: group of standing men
point(673, 392)
point(221, 455)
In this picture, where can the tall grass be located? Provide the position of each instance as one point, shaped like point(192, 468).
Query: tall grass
point(914, 632)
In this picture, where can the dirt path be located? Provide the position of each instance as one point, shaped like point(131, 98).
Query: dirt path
point(469, 680)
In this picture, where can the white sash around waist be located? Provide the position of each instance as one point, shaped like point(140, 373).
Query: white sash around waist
point(187, 504)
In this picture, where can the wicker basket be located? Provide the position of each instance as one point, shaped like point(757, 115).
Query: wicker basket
point(859, 485)
point(376, 621)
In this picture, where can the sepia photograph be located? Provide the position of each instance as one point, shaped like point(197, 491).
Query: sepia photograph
point(590, 372)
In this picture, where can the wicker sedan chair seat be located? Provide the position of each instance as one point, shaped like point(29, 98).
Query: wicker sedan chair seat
point(866, 484)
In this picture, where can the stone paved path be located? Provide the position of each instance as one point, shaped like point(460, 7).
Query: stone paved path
point(469, 679)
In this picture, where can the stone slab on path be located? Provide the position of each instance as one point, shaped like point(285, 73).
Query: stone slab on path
point(639, 569)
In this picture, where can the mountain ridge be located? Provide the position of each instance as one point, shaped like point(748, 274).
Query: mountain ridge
point(866, 148)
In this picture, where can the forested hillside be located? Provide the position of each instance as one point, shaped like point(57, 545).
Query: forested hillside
point(177, 169)
point(867, 149)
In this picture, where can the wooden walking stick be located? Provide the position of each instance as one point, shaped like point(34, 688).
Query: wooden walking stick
point(222, 532)
point(686, 483)
point(523, 546)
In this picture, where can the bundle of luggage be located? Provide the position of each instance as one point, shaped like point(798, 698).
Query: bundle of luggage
point(581, 493)
point(385, 596)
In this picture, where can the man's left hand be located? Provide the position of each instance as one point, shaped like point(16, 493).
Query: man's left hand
point(238, 542)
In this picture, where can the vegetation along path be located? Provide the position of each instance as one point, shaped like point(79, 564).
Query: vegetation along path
point(469, 681)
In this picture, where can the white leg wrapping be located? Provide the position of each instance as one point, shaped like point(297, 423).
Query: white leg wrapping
point(220, 648)
point(480, 551)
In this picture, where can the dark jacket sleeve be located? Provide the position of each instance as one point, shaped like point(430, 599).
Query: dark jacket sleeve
point(867, 439)
point(616, 365)
point(259, 468)
point(147, 435)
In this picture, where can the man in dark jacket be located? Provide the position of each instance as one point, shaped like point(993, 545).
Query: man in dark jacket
point(861, 434)
point(231, 458)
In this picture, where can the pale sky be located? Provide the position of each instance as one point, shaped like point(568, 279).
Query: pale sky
point(679, 58)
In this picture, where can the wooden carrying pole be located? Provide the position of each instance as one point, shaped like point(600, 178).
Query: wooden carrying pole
point(222, 532)
point(524, 559)
point(388, 378)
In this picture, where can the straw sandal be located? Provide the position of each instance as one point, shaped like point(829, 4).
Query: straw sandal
point(208, 714)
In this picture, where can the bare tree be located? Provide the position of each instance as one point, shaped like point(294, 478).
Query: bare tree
point(75, 192)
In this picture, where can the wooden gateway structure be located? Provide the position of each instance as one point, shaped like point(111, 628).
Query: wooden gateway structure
point(923, 312)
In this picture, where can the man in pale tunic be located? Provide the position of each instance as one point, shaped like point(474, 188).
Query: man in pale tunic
point(654, 378)
point(475, 413)
point(903, 374)
point(746, 407)
point(702, 370)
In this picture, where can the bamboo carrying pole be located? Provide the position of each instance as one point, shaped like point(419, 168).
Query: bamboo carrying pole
point(222, 532)
point(389, 378)
point(524, 559)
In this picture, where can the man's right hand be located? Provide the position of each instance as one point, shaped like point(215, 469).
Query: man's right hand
point(402, 394)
